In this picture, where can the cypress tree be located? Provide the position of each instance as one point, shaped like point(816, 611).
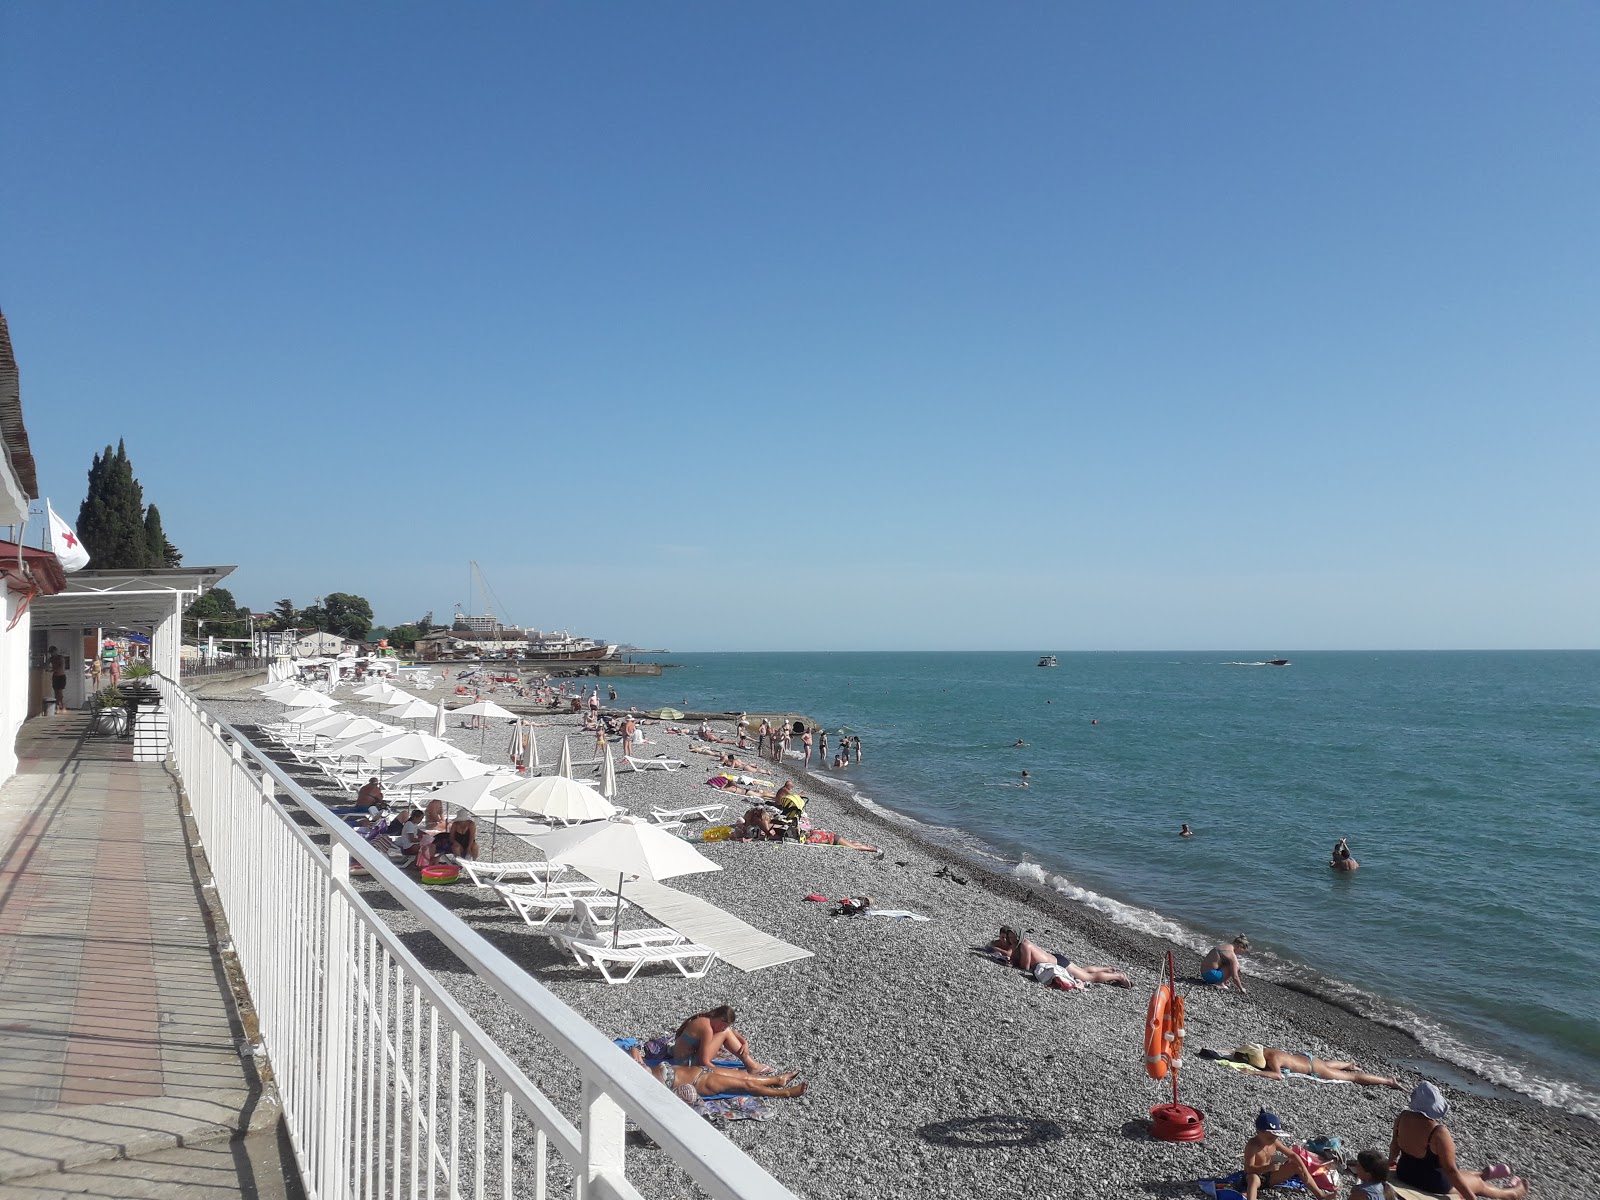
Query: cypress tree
point(162, 552)
point(111, 520)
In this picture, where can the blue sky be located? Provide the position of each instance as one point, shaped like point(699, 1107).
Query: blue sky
point(902, 325)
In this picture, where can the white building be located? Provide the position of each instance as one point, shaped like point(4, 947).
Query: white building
point(318, 644)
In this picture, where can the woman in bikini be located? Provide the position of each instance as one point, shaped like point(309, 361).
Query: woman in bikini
point(1275, 1064)
point(705, 1035)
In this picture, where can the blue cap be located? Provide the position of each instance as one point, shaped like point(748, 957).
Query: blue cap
point(1268, 1122)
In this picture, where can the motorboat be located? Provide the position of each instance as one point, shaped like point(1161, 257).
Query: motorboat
point(1277, 662)
point(1048, 660)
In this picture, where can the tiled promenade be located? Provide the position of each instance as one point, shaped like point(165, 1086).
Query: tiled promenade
point(119, 1038)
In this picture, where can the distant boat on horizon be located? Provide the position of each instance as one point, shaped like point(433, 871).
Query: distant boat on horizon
point(1048, 660)
point(1277, 662)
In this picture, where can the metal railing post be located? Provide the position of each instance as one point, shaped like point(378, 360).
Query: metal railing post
point(605, 1127)
point(334, 1183)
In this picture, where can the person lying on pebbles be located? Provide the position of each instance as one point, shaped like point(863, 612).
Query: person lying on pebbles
point(1275, 1064)
point(1051, 969)
point(717, 1081)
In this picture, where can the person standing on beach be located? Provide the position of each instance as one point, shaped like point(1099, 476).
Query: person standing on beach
point(762, 734)
point(1220, 967)
point(822, 748)
point(628, 730)
point(805, 741)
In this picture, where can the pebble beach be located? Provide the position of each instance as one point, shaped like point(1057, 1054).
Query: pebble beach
point(932, 1068)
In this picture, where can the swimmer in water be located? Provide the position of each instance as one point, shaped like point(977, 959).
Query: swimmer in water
point(1095, 722)
point(1024, 782)
point(1018, 743)
point(1342, 859)
point(1185, 832)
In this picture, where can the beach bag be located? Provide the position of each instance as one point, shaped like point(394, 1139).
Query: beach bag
point(1327, 1178)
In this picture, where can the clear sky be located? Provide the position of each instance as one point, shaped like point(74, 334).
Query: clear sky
point(890, 325)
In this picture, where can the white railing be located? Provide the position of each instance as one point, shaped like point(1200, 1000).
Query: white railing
point(390, 1090)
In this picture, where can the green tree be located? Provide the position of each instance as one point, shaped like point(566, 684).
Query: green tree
point(284, 613)
point(162, 553)
point(313, 616)
point(220, 613)
point(111, 520)
point(404, 635)
point(348, 616)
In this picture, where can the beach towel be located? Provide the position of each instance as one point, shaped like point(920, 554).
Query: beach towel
point(903, 914)
point(1227, 1187)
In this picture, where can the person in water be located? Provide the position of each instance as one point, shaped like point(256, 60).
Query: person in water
point(1051, 969)
point(1024, 782)
point(1342, 859)
point(1267, 1164)
point(1422, 1154)
point(1276, 1064)
point(1018, 744)
point(1185, 832)
point(1220, 967)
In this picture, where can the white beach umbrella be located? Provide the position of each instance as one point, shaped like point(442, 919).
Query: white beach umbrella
point(485, 708)
point(438, 720)
point(287, 687)
point(477, 794)
point(447, 768)
point(306, 698)
point(559, 797)
point(633, 849)
point(564, 764)
point(533, 750)
point(411, 710)
point(374, 689)
point(344, 726)
point(308, 716)
point(608, 778)
point(413, 746)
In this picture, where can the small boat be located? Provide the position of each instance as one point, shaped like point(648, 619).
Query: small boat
point(1277, 662)
point(1048, 660)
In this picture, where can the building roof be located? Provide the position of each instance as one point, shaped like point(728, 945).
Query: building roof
point(13, 433)
point(38, 569)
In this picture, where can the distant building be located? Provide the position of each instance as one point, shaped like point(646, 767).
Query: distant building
point(318, 644)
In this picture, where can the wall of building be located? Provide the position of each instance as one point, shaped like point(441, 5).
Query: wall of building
point(15, 669)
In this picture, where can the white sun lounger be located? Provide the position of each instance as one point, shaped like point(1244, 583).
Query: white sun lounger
point(592, 928)
point(619, 964)
point(538, 906)
point(487, 874)
point(702, 811)
point(659, 764)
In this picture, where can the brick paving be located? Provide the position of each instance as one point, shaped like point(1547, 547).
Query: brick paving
point(118, 1034)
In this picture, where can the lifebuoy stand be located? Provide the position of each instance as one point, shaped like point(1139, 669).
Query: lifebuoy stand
point(1163, 1045)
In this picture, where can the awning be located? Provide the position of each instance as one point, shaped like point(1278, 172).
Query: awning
point(122, 599)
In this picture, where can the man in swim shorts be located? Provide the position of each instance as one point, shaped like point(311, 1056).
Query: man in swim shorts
point(1220, 967)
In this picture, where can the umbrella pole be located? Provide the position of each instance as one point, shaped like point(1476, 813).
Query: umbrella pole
point(616, 913)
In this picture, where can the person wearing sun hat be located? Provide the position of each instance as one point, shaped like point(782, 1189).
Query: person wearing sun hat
point(1267, 1164)
point(1422, 1155)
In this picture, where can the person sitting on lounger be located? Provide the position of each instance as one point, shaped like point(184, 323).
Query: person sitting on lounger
point(1051, 969)
point(821, 837)
point(1268, 1164)
point(1275, 1064)
point(371, 793)
point(433, 818)
point(717, 1081)
point(706, 1035)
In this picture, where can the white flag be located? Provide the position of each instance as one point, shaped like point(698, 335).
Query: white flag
point(65, 543)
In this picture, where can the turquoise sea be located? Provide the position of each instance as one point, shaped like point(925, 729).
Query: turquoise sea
point(1468, 784)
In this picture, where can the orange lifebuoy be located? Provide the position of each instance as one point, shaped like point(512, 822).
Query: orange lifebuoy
point(1163, 1032)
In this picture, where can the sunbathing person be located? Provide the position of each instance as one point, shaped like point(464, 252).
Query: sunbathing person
point(1051, 969)
point(730, 759)
point(704, 1036)
point(1423, 1154)
point(1275, 1064)
point(757, 825)
point(433, 818)
point(371, 793)
point(821, 837)
point(716, 1081)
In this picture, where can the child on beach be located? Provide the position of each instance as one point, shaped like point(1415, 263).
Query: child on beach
point(1267, 1163)
point(1372, 1171)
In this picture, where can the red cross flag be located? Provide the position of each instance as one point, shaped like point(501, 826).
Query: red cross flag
point(65, 543)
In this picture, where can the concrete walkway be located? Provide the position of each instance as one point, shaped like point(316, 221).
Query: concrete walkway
point(119, 1035)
